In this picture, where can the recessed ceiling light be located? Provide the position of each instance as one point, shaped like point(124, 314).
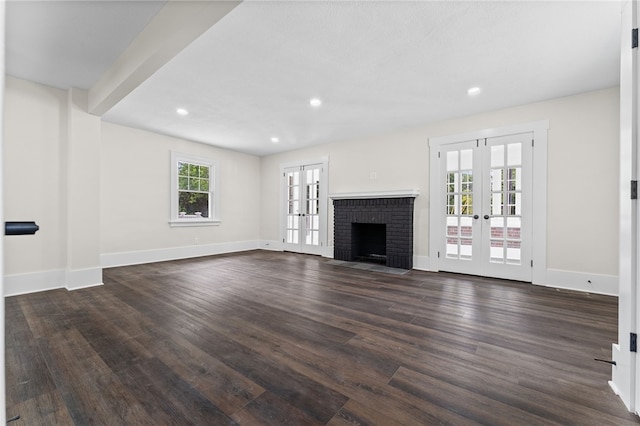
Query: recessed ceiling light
point(275, 139)
point(474, 91)
point(182, 111)
point(315, 102)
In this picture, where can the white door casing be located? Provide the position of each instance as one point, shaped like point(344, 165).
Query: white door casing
point(304, 206)
point(484, 205)
point(625, 375)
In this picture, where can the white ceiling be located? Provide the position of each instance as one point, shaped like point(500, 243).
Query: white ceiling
point(70, 43)
point(377, 66)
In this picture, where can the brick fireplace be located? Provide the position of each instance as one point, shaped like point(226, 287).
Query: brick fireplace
point(374, 227)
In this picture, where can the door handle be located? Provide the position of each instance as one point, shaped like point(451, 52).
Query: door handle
point(475, 216)
point(486, 216)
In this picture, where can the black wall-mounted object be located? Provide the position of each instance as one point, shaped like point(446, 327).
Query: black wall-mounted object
point(20, 228)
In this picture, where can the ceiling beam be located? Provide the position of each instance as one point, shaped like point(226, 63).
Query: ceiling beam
point(176, 26)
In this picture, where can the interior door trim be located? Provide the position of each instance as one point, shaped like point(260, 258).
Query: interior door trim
point(322, 200)
point(539, 196)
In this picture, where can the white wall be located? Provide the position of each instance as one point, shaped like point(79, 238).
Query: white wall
point(100, 193)
point(35, 120)
point(81, 160)
point(582, 178)
point(51, 170)
point(135, 199)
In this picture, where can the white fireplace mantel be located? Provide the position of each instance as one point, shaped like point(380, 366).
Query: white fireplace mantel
point(403, 193)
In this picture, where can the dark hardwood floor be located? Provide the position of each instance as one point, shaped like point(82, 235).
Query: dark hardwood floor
point(286, 339)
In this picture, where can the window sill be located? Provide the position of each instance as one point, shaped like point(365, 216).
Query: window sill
point(175, 223)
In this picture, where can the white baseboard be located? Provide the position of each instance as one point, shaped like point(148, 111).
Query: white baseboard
point(109, 260)
point(275, 245)
point(83, 278)
point(34, 282)
point(77, 279)
point(581, 281)
point(621, 379)
point(613, 387)
point(556, 278)
point(272, 245)
point(615, 356)
point(421, 263)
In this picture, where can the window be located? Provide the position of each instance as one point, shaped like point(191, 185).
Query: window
point(194, 198)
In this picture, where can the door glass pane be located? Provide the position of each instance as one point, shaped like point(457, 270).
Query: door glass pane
point(308, 231)
point(452, 248)
point(497, 236)
point(497, 156)
point(514, 240)
point(466, 223)
point(294, 178)
point(466, 245)
point(514, 179)
point(496, 204)
point(292, 236)
point(312, 238)
point(452, 226)
point(467, 204)
point(452, 160)
point(496, 179)
point(466, 159)
point(514, 154)
point(513, 252)
point(497, 251)
point(497, 228)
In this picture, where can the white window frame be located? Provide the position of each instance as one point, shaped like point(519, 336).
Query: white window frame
point(214, 193)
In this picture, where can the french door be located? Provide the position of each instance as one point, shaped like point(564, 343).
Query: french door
point(486, 221)
point(304, 197)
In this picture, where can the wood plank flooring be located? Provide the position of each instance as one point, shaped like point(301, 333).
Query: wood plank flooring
point(287, 339)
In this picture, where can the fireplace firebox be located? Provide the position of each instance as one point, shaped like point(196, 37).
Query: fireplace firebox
point(369, 242)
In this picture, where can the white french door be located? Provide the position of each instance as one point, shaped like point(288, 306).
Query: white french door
point(485, 201)
point(304, 218)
